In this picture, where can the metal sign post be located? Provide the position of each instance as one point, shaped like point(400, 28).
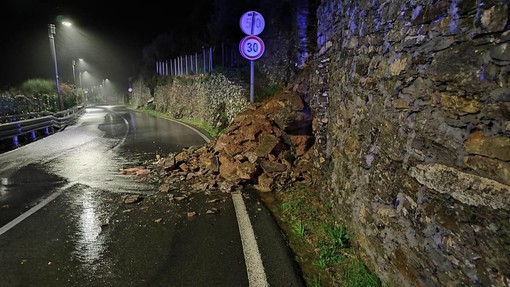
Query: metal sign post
point(252, 47)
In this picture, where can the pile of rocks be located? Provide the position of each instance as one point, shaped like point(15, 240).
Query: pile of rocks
point(266, 147)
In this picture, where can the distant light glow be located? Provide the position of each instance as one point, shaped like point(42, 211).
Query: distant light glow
point(67, 24)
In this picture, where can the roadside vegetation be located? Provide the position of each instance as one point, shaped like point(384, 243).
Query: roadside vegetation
point(38, 95)
point(322, 246)
point(263, 89)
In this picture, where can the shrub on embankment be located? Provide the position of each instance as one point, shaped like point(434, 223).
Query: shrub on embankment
point(211, 98)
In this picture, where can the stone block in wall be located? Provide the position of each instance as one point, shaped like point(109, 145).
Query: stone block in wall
point(496, 147)
point(466, 188)
point(490, 168)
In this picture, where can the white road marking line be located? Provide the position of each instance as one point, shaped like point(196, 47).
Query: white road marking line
point(34, 209)
point(204, 137)
point(256, 274)
point(125, 134)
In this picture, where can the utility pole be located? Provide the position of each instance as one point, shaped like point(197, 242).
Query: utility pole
point(74, 72)
point(51, 34)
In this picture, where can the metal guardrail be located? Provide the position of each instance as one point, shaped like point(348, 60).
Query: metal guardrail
point(15, 118)
point(39, 121)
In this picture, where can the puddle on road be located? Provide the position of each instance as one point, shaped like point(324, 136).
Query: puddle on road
point(113, 127)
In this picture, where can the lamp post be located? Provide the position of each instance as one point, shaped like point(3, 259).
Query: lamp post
point(74, 73)
point(80, 78)
point(51, 34)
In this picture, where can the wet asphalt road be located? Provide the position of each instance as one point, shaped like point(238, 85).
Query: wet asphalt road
point(64, 222)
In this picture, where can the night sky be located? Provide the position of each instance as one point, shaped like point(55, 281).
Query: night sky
point(109, 37)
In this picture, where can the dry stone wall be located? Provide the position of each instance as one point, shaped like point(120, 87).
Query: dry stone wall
point(412, 119)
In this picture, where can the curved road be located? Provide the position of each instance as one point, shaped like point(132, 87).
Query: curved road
point(64, 220)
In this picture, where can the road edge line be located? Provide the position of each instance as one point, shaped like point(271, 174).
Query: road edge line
point(125, 134)
point(254, 267)
point(32, 210)
point(204, 137)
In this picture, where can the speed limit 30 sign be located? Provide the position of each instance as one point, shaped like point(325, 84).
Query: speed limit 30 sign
point(251, 47)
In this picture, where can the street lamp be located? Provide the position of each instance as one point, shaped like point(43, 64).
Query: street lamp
point(51, 34)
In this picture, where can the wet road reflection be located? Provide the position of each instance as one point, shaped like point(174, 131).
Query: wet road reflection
point(154, 135)
point(89, 244)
